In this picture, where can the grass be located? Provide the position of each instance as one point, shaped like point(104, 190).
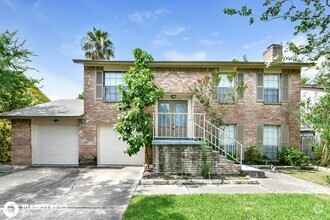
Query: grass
point(237, 206)
point(315, 176)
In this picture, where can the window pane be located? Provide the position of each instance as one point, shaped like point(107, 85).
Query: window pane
point(107, 82)
point(271, 141)
point(271, 88)
point(164, 107)
point(224, 82)
point(225, 88)
point(111, 82)
point(222, 91)
point(180, 119)
point(164, 119)
point(271, 95)
point(271, 81)
point(226, 142)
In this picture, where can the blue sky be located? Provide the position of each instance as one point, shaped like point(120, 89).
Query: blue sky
point(169, 30)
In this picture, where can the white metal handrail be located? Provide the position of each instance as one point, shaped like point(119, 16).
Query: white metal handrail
point(200, 129)
point(220, 133)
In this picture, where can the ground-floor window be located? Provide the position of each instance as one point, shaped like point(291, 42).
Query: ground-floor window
point(227, 141)
point(271, 141)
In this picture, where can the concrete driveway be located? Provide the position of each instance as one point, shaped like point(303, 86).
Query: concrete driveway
point(69, 193)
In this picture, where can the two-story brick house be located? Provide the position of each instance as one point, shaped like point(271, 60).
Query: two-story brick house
point(72, 132)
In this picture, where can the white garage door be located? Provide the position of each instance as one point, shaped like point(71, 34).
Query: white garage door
point(55, 144)
point(111, 150)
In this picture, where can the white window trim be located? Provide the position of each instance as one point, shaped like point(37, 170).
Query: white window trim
point(104, 93)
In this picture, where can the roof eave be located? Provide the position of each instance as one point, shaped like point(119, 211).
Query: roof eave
point(210, 64)
point(34, 116)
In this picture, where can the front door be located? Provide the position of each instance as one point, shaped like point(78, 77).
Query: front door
point(172, 119)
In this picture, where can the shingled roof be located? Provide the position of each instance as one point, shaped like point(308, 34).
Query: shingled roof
point(58, 108)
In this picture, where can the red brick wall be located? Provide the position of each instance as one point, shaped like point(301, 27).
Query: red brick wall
point(21, 152)
point(250, 113)
point(96, 113)
point(178, 80)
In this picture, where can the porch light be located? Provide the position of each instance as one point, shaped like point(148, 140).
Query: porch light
point(173, 96)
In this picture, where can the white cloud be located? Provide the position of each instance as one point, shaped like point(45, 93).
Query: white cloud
point(297, 40)
point(256, 43)
point(160, 42)
point(167, 32)
point(249, 46)
point(161, 11)
point(70, 50)
point(209, 42)
point(173, 30)
point(185, 38)
point(142, 17)
point(174, 55)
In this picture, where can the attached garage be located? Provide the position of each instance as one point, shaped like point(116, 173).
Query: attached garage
point(111, 149)
point(46, 134)
point(54, 144)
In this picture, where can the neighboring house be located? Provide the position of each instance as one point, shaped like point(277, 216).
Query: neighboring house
point(78, 132)
point(41, 97)
point(312, 93)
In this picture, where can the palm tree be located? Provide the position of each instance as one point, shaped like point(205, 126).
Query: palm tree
point(97, 46)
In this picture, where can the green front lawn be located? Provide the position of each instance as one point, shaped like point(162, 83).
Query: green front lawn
point(237, 206)
point(315, 176)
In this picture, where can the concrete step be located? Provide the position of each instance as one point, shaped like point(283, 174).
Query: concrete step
point(250, 171)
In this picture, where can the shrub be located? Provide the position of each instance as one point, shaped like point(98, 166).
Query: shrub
point(206, 167)
point(327, 179)
point(292, 156)
point(5, 143)
point(255, 156)
point(322, 153)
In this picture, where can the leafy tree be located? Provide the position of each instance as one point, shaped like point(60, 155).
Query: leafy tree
point(15, 87)
point(81, 96)
point(139, 93)
point(16, 90)
point(97, 45)
point(310, 18)
point(5, 141)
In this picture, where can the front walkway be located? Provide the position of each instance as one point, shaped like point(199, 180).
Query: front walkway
point(274, 183)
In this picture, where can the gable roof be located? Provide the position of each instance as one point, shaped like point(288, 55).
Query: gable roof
point(58, 108)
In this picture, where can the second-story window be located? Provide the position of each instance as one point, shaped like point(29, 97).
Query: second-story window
point(111, 82)
point(226, 88)
point(271, 88)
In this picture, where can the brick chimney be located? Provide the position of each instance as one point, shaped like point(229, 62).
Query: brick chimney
point(274, 53)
